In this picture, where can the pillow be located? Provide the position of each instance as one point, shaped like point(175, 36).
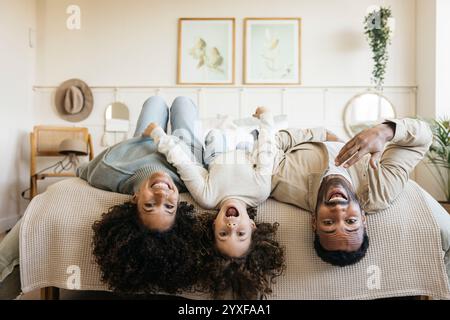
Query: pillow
point(238, 132)
point(251, 123)
point(218, 122)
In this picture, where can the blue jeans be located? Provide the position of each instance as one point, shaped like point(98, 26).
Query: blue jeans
point(154, 110)
point(184, 121)
point(185, 125)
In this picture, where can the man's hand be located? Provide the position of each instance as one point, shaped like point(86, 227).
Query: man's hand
point(148, 131)
point(371, 141)
point(259, 111)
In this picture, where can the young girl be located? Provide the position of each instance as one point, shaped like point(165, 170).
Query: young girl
point(234, 181)
point(242, 257)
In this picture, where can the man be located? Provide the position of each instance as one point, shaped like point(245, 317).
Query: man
point(340, 183)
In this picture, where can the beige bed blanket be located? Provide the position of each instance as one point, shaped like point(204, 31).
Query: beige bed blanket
point(404, 257)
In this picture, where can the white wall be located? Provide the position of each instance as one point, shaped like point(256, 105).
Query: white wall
point(16, 80)
point(134, 42)
point(443, 58)
point(433, 72)
point(433, 64)
point(426, 57)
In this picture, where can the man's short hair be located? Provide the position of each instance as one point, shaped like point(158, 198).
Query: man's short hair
point(341, 258)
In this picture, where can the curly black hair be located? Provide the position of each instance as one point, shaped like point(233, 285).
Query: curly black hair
point(247, 277)
point(134, 259)
point(338, 257)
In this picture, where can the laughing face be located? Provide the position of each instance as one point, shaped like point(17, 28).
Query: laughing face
point(233, 229)
point(339, 221)
point(157, 202)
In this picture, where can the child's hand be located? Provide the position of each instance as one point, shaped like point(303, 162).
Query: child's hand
point(148, 131)
point(259, 111)
point(332, 137)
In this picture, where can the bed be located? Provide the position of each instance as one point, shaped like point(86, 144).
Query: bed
point(405, 257)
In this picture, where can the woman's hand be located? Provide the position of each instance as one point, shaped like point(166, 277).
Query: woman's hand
point(148, 131)
point(259, 111)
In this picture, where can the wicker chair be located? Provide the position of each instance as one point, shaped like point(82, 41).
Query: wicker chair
point(45, 142)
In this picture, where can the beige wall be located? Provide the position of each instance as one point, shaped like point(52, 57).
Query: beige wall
point(443, 59)
point(16, 80)
point(433, 63)
point(134, 42)
point(426, 57)
point(433, 72)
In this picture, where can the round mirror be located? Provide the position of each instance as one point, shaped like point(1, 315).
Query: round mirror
point(365, 110)
point(117, 117)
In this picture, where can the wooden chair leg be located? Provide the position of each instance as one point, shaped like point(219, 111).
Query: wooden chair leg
point(33, 187)
point(50, 293)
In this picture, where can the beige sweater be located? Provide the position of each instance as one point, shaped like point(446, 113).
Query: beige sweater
point(234, 174)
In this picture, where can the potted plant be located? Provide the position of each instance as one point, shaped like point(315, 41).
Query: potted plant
point(378, 28)
point(439, 157)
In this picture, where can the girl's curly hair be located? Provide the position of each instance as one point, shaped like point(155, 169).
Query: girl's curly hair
point(134, 259)
point(248, 277)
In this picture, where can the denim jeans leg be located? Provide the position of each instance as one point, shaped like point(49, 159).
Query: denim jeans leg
point(154, 109)
point(186, 126)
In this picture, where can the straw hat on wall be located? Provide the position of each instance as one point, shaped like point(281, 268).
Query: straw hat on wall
point(74, 100)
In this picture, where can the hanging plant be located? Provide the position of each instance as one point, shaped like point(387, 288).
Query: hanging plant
point(378, 32)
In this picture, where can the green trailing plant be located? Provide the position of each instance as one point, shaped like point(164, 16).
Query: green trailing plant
point(378, 34)
point(439, 154)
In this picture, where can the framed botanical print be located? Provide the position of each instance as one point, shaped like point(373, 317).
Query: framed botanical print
point(272, 48)
point(206, 52)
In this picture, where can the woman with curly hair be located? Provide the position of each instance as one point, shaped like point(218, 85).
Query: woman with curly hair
point(135, 167)
point(148, 244)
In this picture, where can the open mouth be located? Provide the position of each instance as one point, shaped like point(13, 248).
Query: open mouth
point(232, 212)
point(160, 185)
point(337, 194)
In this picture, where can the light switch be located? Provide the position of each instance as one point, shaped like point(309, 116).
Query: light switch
point(31, 38)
